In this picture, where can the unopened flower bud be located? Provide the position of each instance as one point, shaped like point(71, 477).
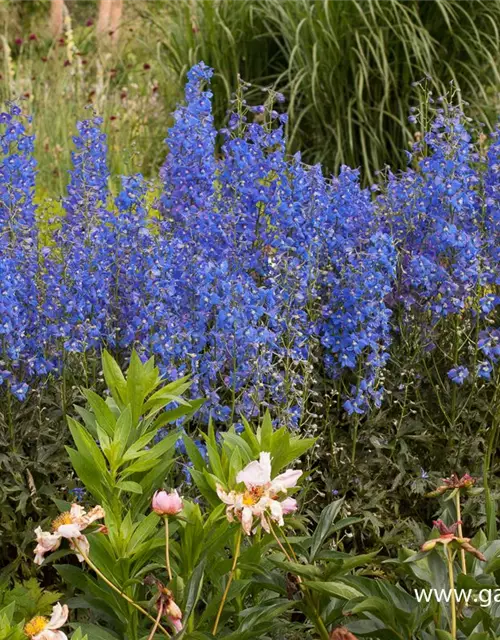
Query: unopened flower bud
point(429, 545)
point(341, 633)
point(167, 504)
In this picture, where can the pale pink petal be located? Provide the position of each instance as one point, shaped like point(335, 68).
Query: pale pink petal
point(289, 505)
point(265, 463)
point(286, 480)
point(246, 520)
point(227, 498)
point(68, 530)
point(238, 501)
point(77, 512)
point(265, 524)
point(259, 507)
point(80, 545)
point(97, 513)
point(47, 634)
point(46, 538)
point(256, 474)
point(46, 542)
point(276, 512)
point(59, 616)
point(39, 556)
point(176, 623)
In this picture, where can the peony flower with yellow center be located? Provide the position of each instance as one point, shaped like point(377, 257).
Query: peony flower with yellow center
point(68, 525)
point(41, 628)
point(260, 498)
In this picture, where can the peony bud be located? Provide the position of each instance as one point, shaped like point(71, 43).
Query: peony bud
point(429, 545)
point(172, 611)
point(341, 633)
point(167, 504)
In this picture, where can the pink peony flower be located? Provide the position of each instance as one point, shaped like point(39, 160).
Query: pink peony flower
point(167, 504)
point(260, 498)
point(39, 628)
point(68, 525)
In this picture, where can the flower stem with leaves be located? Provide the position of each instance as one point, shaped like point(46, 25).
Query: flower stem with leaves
point(229, 580)
point(92, 566)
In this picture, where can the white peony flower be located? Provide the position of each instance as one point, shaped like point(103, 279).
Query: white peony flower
point(68, 525)
point(260, 500)
point(40, 628)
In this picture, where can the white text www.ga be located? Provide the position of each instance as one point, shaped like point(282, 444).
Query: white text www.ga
point(483, 598)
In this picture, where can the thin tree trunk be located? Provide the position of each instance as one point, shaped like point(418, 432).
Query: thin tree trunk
point(116, 16)
point(110, 13)
point(104, 16)
point(56, 17)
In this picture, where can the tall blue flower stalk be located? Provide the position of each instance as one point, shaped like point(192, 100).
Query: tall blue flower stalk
point(262, 278)
point(83, 267)
point(19, 321)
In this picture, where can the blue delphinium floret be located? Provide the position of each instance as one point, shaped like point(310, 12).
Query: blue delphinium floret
point(458, 375)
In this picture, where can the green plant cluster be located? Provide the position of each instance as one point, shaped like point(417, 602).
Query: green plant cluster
point(293, 579)
point(68, 77)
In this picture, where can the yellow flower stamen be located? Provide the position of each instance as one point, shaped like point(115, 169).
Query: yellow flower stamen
point(64, 518)
point(35, 625)
point(252, 496)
